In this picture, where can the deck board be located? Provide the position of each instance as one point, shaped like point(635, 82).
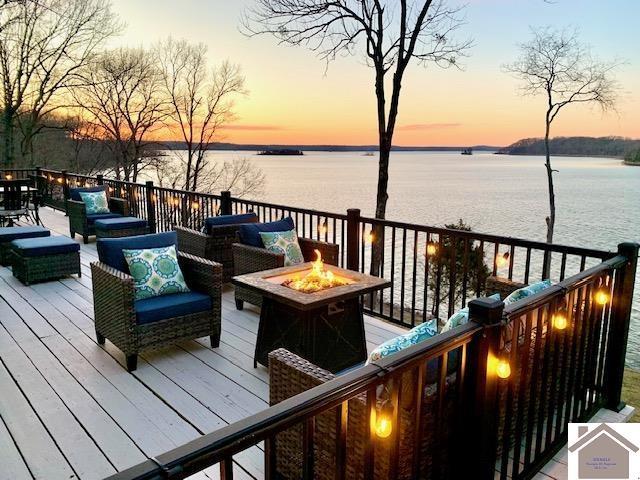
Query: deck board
point(73, 411)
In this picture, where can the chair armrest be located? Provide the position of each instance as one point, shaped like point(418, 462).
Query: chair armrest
point(248, 259)
point(201, 275)
point(76, 209)
point(330, 251)
point(290, 374)
point(119, 205)
point(192, 241)
point(113, 297)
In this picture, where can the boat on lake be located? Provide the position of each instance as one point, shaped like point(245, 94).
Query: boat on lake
point(467, 151)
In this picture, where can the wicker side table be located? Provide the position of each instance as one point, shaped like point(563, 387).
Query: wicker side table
point(121, 227)
point(46, 258)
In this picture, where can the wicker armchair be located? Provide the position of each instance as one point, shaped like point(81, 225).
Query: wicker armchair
point(115, 309)
point(249, 259)
point(80, 223)
point(216, 243)
point(290, 375)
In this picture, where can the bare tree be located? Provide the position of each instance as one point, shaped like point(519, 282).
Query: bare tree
point(391, 34)
point(121, 98)
point(556, 65)
point(200, 101)
point(41, 50)
point(239, 176)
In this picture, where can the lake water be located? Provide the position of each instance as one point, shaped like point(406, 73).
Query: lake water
point(598, 199)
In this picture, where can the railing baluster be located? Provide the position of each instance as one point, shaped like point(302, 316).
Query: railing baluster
point(226, 469)
point(403, 275)
point(308, 454)
point(413, 278)
point(342, 412)
point(523, 382)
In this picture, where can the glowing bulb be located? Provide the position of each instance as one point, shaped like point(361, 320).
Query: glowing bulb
point(111, 189)
point(59, 179)
point(502, 260)
point(384, 426)
point(195, 205)
point(322, 228)
point(176, 202)
point(601, 296)
point(154, 198)
point(559, 321)
point(432, 249)
point(369, 237)
point(503, 369)
point(8, 176)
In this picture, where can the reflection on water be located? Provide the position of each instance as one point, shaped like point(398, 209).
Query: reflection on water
point(597, 199)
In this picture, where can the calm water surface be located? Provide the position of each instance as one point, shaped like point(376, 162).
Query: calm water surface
point(598, 200)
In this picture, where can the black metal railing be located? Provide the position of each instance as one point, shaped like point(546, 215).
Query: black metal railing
point(565, 348)
point(446, 395)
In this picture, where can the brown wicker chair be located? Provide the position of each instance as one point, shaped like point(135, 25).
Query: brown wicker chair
point(213, 245)
point(77, 212)
point(249, 259)
point(290, 375)
point(115, 315)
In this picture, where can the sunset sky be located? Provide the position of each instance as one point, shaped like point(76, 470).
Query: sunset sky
point(292, 101)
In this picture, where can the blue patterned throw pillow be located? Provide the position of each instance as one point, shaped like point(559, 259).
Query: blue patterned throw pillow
point(414, 336)
point(155, 272)
point(285, 243)
point(527, 291)
point(95, 202)
point(462, 316)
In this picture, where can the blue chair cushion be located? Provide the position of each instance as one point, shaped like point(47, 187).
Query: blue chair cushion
point(8, 234)
point(40, 246)
point(229, 220)
point(120, 223)
point(250, 232)
point(74, 193)
point(91, 219)
point(110, 249)
point(153, 309)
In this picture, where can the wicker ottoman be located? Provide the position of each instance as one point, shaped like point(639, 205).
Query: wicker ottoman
point(45, 258)
point(9, 234)
point(121, 227)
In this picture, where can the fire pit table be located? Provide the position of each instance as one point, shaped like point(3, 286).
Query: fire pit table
point(325, 326)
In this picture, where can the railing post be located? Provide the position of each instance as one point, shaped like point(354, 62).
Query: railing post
point(100, 179)
point(353, 239)
point(481, 391)
point(225, 203)
point(151, 207)
point(619, 330)
point(65, 189)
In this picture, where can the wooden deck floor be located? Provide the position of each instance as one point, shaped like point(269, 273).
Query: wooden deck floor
point(70, 410)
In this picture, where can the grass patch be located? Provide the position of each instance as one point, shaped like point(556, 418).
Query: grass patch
point(631, 392)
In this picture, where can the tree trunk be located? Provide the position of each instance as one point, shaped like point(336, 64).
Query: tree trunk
point(8, 129)
point(551, 219)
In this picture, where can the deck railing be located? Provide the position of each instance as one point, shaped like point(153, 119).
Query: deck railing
point(508, 427)
point(433, 271)
point(565, 348)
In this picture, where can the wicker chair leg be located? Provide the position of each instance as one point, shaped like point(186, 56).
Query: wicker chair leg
point(239, 304)
point(100, 338)
point(85, 239)
point(215, 341)
point(72, 234)
point(132, 362)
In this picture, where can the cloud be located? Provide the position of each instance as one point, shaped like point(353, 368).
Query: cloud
point(252, 127)
point(428, 126)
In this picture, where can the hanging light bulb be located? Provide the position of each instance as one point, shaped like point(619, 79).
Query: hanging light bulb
point(503, 368)
point(432, 249)
point(502, 260)
point(369, 237)
point(384, 420)
point(323, 228)
point(601, 296)
point(559, 320)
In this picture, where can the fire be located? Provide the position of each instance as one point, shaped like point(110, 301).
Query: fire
point(317, 279)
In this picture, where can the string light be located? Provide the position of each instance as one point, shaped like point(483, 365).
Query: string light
point(384, 422)
point(559, 320)
point(369, 237)
point(502, 260)
point(601, 296)
point(195, 205)
point(8, 176)
point(503, 368)
point(60, 180)
point(323, 228)
point(432, 249)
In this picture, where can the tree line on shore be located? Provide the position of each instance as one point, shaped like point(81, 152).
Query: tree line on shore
point(576, 146)
point(70, 102)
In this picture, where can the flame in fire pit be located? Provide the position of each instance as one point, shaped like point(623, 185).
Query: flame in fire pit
point(317, 279)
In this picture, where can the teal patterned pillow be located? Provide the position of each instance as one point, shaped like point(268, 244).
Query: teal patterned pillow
point(414, 336)
point(155, 272)
point(95, 202)
point(285, 243)
point(462, 316)
point(527, 291)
